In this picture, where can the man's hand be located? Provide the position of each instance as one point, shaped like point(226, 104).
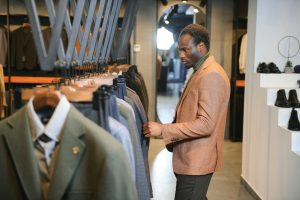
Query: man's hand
point(152, 129)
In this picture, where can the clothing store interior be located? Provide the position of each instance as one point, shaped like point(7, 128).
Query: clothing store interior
point(91, 73)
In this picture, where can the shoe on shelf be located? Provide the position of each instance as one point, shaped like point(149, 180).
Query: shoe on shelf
point(273, 68)
point(294, 124)
point(269, 68)
point(281, 100)
point(293, 99)
point(262, 68)
point(297, 69)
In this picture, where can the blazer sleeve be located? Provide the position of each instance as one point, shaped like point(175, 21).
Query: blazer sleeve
point(213, 94)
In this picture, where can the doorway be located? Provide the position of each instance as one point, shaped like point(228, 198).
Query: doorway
point(171, 73)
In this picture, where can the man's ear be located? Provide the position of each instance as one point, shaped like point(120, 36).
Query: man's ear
point(201, 47)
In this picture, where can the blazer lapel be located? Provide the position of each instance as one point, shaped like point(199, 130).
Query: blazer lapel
point(190, 84)
point(21, 148)
point(69, 156)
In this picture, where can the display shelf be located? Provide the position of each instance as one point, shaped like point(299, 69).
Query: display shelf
point(282, 80)
point(272, 94)
point(240, 83)
point(272, 160)
point(294, 137)
point(31, 79)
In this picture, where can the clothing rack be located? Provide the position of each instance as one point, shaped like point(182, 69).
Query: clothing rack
point(21, 19)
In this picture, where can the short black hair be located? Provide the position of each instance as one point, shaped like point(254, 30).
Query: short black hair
point(198, 33)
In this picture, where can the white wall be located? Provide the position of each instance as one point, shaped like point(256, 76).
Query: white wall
point(268, 22)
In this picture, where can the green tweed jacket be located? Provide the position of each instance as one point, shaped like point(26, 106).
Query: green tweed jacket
point(90, 164)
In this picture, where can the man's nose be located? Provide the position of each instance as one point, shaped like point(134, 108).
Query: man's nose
point(181, 54)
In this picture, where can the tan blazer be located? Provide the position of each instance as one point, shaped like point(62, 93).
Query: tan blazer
point(198, 133)
point(90, 163)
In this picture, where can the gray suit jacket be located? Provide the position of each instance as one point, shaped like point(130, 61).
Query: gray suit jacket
point(141, 177)
point(90, 163)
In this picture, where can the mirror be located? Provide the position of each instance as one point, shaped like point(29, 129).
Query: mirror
point(171, 73)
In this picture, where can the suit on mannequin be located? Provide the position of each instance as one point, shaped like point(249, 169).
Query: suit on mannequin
point(90, 163)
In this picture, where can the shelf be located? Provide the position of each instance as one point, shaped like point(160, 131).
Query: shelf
point(31, 79)
point(240, 83)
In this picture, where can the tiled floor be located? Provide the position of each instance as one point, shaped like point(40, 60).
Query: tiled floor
point(225, 184)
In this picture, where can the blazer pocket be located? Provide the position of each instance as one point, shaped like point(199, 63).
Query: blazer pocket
point(78, 195)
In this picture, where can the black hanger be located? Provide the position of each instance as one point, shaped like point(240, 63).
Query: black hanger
point(101, 104)
point(119, 86)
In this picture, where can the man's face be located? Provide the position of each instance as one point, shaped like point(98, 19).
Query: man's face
point(189, 53)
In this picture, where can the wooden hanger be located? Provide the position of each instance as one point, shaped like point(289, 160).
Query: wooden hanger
point(118, 68)
point(26, 25)
point(78, 94)
point(46, 100)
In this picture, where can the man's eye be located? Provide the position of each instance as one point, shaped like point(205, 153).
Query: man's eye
point(183, 49)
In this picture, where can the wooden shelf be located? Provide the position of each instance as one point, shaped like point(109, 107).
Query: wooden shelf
point(31, 79)
point(240, 83)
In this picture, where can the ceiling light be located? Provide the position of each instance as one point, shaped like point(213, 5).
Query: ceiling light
point(184, 1)
point(167, 19)
point(196, 10)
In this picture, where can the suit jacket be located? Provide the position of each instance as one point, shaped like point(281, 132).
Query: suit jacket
point(198, 134)
point(23, 51)
point(3, 45)
point(144, 192)
point(90, 163)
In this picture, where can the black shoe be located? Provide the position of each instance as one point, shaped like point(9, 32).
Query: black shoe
point(263, 68)
point(294, 124)
point(281, 100)
point(297, 69)
point(273, 68)
point(293, 99)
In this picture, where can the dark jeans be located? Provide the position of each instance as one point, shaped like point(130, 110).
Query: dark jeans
point(192, 187)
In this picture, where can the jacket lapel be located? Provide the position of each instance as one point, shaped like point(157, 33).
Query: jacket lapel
point(190, 84)
point(71, 152)
point(21, 149)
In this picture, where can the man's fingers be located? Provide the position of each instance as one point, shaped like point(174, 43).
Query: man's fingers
point(147, 131)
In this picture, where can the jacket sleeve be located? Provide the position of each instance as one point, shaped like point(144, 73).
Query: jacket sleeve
point(212, 97)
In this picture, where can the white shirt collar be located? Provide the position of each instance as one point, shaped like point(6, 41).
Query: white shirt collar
point(54, 126)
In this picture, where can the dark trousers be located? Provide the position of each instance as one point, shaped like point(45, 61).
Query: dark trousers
point(192, 187)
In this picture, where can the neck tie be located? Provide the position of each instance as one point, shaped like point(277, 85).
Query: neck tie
point(47, 145)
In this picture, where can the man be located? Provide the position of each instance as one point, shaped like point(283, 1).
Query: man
point(196, 136)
